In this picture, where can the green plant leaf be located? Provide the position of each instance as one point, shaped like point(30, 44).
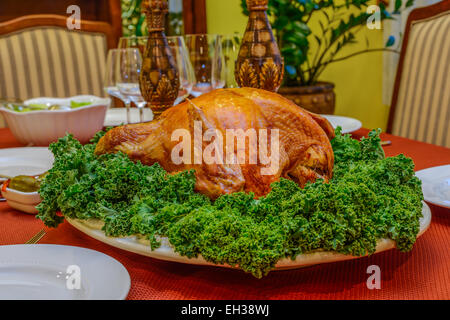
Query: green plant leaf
point(301, 27)
point(244, 7)
point(322, 27)
point(390, 42)
point(397, 6)
point(281, 23)
point(293, 55)
point(318, 40)
point(291, 70)
point(326, 16)
point(296, 37)
point(338, 22)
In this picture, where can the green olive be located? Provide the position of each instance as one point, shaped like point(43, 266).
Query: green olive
point(41, 177)
point(24, 184)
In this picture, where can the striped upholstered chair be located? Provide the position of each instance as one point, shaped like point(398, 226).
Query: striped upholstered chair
point(40, 56)
point(421, 100)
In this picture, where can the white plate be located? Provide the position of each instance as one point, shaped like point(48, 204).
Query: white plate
point(118, 116)
point(348, 124)
point(48, 272)
point(436, 185)
point(25, 161)
point(165, 252)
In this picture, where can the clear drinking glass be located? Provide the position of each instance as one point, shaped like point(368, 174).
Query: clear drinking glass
point(128, 72)
point(181, 55)
point(110, 81)
point(184, 66)
point(206, 55)
point(231, 45)
point(133, 42)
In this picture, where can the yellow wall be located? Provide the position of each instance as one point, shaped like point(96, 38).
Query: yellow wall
point(225, 17)
point(358, 80)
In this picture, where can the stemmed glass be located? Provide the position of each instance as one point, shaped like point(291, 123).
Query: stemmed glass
point(110, 79)
point(128, 72)
point(205, 52)
point(180, 53)
point(184, 66)
point(230, 47)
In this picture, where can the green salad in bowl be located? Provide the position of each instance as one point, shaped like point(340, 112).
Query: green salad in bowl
point(41, 121)
point(55, 104)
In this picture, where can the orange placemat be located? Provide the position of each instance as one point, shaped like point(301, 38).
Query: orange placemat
point(420, 274)
point(7, 139)
point(424, 155)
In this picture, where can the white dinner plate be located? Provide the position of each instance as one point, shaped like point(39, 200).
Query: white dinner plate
point(436, 185)
point(25, 161)
point(118, 116)
point(166, 252)
point(347, 124)
point(53, 272)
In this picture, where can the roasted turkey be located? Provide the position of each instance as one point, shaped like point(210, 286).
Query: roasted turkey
point(302, 149)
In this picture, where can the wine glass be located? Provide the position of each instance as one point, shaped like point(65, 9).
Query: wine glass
point(181, 55)
point(110, 81)
point(231, 45)
point(133, 42)
point(128, 72)
point(205, 52)
point(184, 66)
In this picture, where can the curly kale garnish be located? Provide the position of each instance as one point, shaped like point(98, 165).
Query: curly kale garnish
point(347, 149)
point(100, 135)
point(370, 197)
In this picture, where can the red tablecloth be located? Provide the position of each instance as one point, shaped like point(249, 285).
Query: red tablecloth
point(420, 274)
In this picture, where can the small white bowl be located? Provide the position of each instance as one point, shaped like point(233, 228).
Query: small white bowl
point(22, 201)
point(40, 128)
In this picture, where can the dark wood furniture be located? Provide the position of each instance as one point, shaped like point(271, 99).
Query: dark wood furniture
point(41, 20)
point(104, 11)
point(415, 15)
point(108, 11)
point(194, 16)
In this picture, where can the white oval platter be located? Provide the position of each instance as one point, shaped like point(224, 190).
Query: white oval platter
point(165, 252)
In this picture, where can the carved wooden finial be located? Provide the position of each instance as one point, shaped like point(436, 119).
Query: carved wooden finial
point(155, 11)
point(259, 64)
point(257, 5)
point(159, 80)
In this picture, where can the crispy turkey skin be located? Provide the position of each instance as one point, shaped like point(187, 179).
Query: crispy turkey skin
point(304, 149)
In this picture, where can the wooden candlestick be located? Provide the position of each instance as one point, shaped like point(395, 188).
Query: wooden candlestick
point(259, 64)
point(159, 80)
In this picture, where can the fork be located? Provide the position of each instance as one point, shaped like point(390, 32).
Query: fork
point(35, 239)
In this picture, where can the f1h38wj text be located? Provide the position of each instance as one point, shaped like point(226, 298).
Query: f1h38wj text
point(230, 309)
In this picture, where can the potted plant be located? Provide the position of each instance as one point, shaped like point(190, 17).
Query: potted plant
point(338, 22)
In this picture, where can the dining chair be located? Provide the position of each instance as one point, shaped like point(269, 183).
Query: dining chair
point(420, 108)
point(40, 56)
